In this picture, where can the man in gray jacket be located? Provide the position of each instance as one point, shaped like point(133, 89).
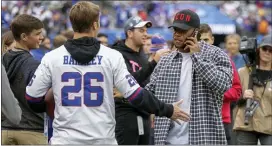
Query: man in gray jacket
point(10, 106)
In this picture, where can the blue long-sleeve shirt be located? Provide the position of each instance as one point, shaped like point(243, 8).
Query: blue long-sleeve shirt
point(239, 60)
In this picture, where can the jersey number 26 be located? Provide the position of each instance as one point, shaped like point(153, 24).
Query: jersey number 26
point(87, 89)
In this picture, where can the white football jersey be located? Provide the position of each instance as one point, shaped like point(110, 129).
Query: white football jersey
point(84, 104)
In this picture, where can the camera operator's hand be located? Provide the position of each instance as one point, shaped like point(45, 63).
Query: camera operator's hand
point(160, 53)
point(248, 94)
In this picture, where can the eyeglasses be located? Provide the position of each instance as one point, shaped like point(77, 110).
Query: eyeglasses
point(265, 49)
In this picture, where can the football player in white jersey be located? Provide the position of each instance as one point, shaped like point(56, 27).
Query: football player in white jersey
point(82, 74)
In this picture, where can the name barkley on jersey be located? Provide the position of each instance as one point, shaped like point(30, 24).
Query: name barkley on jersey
point(70, 61)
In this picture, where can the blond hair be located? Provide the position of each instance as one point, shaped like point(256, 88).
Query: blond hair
point(7, 39)
point(82, 16)
point(59, 40)
point(69, 34)
point(233, 36)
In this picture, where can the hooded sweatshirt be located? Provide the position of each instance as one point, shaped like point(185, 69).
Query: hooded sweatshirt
point(140, 69)
point(20, 67)
point(80, 49)
point(83, 50)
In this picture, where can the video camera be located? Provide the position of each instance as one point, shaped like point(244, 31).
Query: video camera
point(248, 47)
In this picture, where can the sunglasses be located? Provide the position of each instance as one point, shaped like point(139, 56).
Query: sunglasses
point(265, 49)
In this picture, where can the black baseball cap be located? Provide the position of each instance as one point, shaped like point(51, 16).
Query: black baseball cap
point(136, 22)
point(185, 20)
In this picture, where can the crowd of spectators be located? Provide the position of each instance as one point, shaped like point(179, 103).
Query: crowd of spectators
point(254, 19)
point(52, 29)
point(249, 16)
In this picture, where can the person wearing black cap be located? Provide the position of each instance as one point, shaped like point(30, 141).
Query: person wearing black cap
point(132, 124)
point(259, 126)
point(199, 74)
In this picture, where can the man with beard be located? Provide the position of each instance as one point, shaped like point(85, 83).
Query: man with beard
point(199, 74)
